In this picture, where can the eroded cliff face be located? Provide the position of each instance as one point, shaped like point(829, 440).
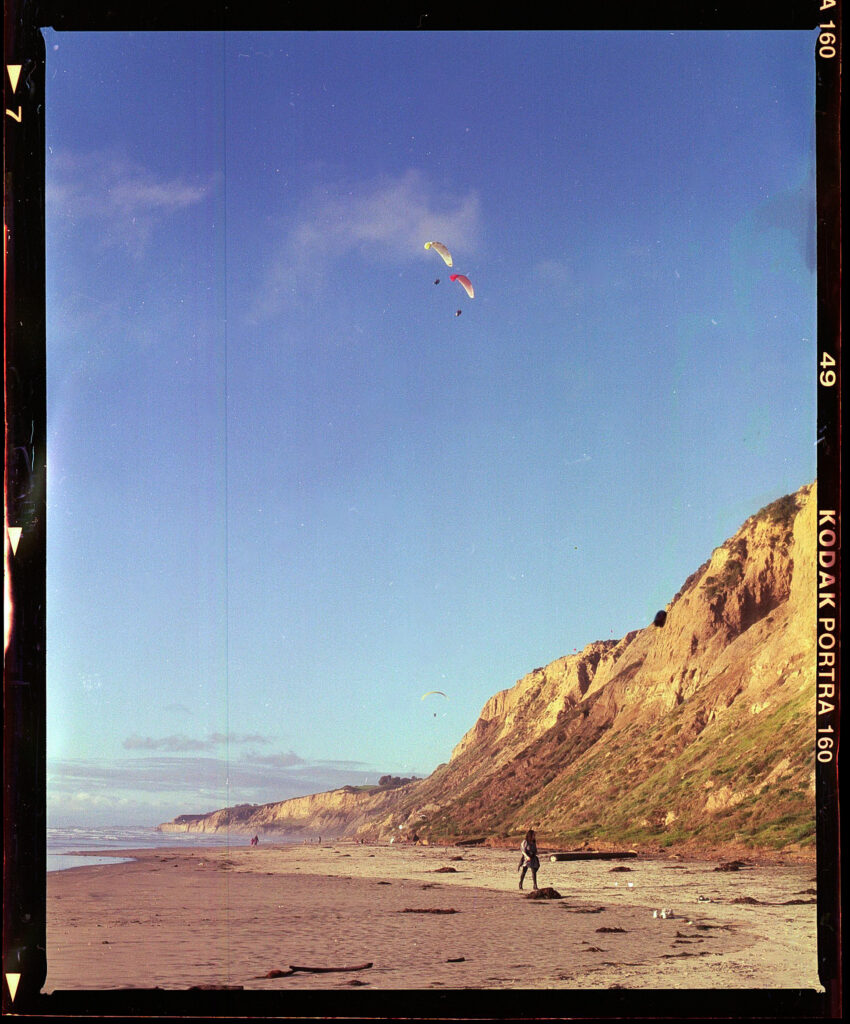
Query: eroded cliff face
point(335, 813)
point(764, 575)
point(513, 717)
point(701, 730)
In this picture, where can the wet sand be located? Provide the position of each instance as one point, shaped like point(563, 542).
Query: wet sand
point(178, 918)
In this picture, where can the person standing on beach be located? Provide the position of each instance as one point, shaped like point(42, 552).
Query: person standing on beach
point(528, 858)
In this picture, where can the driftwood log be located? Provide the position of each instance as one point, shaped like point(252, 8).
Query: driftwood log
point(329, 970)
point(428, 910)
point(592, 855)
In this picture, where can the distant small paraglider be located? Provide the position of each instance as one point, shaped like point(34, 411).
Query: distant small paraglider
point(660, 619)
point(442, 250)
point(458, 312)
point(437, 281)
point(435, 693)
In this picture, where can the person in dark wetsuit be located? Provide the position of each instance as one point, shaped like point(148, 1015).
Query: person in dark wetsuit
point(529, 858)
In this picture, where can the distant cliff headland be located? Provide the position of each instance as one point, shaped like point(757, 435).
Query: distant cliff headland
point(696, 735)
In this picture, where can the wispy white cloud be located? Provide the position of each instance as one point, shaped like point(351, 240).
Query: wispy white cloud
point(178, 709)
point(625, 267)
point(559, 280)
point(164, 773)
point(285, 760)
point(124, 199)
point(179, 743)
point(174, 744)
point(240, 737)
point(385, 220)
point(145, 790)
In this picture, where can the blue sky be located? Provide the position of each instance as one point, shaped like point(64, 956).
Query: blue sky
point(289, 489)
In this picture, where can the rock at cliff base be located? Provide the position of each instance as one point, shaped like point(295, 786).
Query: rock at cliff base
point(546, 893)
point(731, 865)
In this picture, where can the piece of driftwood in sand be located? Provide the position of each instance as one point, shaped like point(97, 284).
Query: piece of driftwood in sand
point(592, 855)
point(330, 970)
point(428, 910)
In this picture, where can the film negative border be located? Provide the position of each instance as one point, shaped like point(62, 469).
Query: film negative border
point(24, 942)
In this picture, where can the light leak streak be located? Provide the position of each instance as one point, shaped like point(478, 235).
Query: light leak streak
point(7, 577)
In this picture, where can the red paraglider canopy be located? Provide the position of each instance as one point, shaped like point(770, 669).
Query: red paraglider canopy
point(467, 284)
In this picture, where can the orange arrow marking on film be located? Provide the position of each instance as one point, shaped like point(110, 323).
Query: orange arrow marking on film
point(14, 537)
point(12, 981)
point(14, 72)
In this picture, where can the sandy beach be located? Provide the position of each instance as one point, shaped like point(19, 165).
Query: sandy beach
point(424, 918)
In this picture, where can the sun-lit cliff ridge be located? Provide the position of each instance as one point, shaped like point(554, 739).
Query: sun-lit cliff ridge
point(697, 733)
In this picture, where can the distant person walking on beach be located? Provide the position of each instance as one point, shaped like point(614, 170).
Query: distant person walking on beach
point(528, 858)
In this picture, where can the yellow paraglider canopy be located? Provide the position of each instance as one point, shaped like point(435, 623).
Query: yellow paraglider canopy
point(442, 250)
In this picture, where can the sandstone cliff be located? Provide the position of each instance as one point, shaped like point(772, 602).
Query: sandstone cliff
point(335, 813)
point(699, 732)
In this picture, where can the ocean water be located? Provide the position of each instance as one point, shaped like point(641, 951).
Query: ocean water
point(64, 843)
